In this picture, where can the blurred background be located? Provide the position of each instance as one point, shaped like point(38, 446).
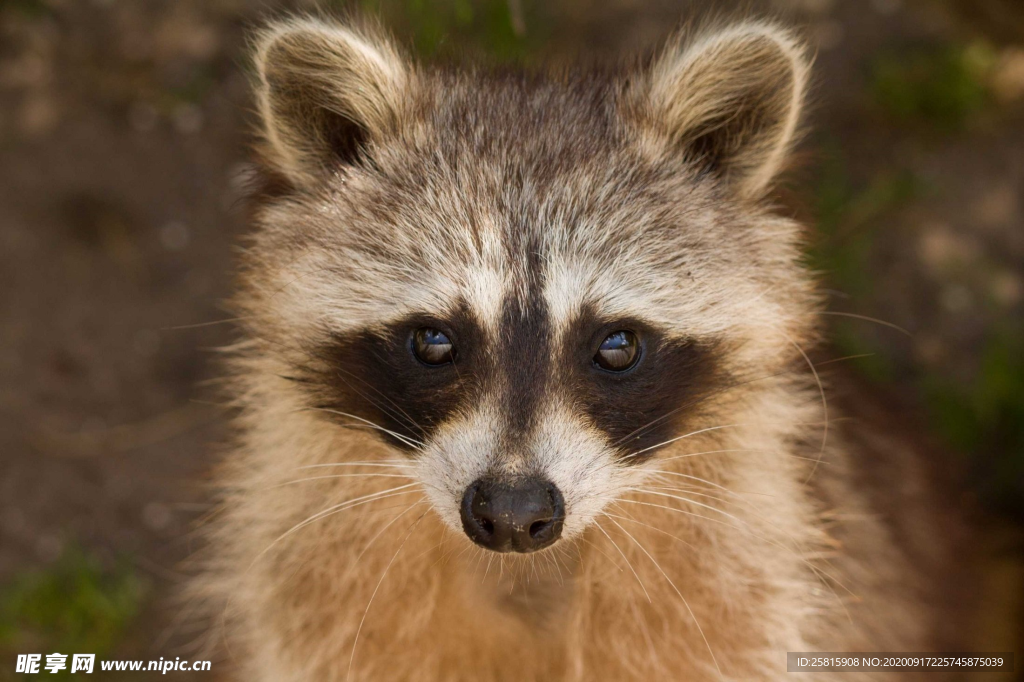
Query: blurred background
point(124, 128)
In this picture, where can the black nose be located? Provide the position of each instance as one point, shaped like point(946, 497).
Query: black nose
point(521, 517)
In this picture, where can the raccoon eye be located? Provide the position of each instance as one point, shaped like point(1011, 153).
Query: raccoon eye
point(433, 347)
point(618, 352)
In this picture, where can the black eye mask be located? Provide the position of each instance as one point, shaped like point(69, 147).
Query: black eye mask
point(631, 381)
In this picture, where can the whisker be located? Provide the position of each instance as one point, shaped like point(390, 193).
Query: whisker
point(561, 559)
point(411, 442)
point(641, 429)
point(680, 511)
point(820, 573)
point(479, 560)
point(858, 356)
point(320, 478)
point(642, 624)
point(445, 555)
point(728, 450)
point(406, 477)
point(487, 569)
point(684, 436)
point(737, 498)
point(623, 555)
point(691, 491)
point(738, 384)
point(347, 425)
point(605, 554)
point(747, 529)
point(401, 465)
point(713, 452)
point(412, 422)
point(738, 494)
point(694, 502)
point(724, 426)
point(824, 406)
point(579, 553)
point(355, 564)
point(359, 629)
point(199, 325)
point(867, 319)
point(691, 403)
point(744, 525)
point(685, 603)
point(408, 440)
point(647, 525)
point(343, 506)
point(699, 480)
point(355, 502)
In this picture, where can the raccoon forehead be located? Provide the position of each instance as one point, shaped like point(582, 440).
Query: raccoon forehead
point(349, 262)
point(428, 231)
point(355, 270)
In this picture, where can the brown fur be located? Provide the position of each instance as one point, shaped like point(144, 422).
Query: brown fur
point(713, 559)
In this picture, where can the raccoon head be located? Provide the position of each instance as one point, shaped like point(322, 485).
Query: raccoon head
point(529, 284)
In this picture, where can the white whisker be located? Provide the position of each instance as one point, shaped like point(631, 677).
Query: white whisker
point(685, 603)
point(855, 316)
point(411, 442)
point(738, 494)
point(623, 555)
point(343, 506)
point(693, 502)
point(647, 525)
point(824, 406)
point(359, 629)
point(605, 554)
point(320, 478)
point(400, 465)
point(817, 570)
point(678, 438)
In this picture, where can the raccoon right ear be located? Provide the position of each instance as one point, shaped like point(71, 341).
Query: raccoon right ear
point(730, 100)
point(326, 93)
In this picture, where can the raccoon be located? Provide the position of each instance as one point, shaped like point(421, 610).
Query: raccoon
point(524, 388)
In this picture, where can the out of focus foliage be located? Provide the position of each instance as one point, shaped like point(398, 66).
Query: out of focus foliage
point(494, 29)
point(939, 87)
point(76, 605)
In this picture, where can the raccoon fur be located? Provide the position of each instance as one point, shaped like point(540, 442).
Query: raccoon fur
point(523, 387)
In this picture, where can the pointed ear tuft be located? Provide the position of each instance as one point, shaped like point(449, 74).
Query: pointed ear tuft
point(731, 100)
point(325, 93)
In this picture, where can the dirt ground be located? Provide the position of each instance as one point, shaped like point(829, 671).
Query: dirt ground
point(124, 129)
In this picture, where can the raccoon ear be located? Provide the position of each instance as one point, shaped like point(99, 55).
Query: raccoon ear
point(731, 100)
point(325, 94)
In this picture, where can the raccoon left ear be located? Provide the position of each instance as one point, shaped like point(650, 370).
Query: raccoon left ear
point(731, 100)
point(326, 93)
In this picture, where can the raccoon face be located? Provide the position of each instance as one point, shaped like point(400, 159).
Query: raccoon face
point(530, 286)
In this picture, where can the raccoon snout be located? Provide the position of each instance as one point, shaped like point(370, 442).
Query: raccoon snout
point(521, 517)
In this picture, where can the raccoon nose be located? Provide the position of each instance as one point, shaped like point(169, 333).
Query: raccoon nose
point(522, 517)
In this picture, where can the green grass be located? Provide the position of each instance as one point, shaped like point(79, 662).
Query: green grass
point(449, 27)
point(941, 87)
point(76, 605)
point(445, 28)
point(985, 418)
point(32, 9)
